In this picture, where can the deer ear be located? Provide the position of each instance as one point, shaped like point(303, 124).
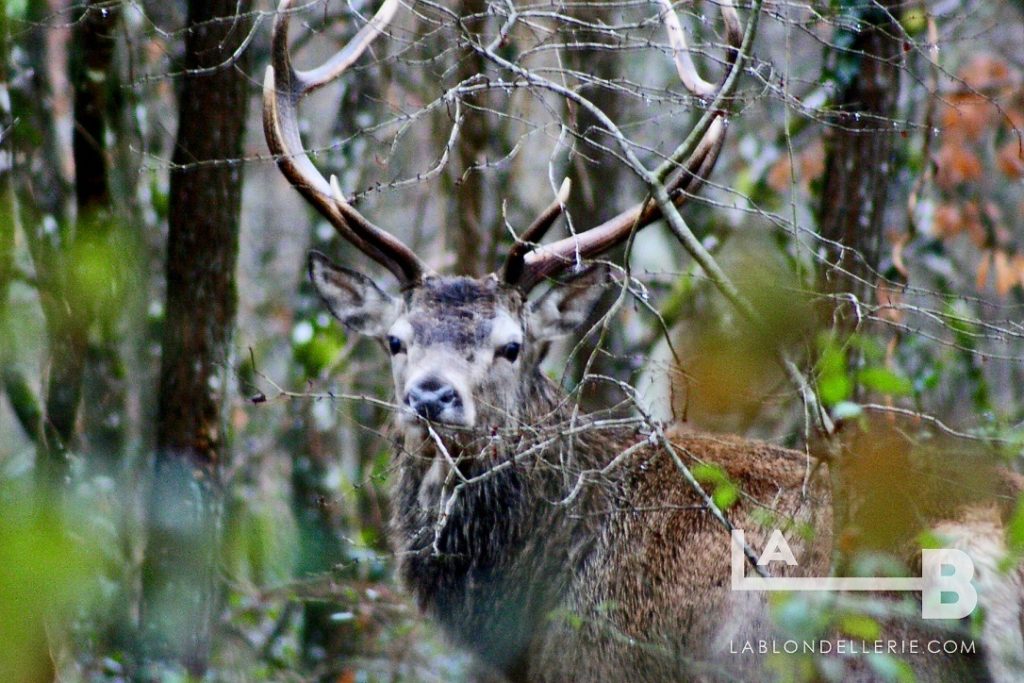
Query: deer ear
point(568, 304)
point(354, 299)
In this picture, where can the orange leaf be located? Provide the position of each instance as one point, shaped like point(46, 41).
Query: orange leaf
point(812, 161)
point(239, 418)
point(957, 164)
point(984, 71)
point(346, 676)
point(1018, 265)
point(972, 222)
point(1005, 276)
point(1016, 116)
point(947, 221)
point(1011, 159)
point(779, 175)
point(889, 300)
point(981, 277)
point(967, 116)
point(899, 242)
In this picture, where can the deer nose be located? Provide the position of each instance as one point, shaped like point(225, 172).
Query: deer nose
point(431, 398)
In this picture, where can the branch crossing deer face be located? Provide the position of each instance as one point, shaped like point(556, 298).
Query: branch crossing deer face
point(463, 350)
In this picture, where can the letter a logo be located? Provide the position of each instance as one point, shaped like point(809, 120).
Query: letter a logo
point(777, 549)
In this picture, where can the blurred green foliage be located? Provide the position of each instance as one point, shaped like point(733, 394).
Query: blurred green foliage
point(316, 342)
point(46, 565)
point(837, 380)
point(724, 492)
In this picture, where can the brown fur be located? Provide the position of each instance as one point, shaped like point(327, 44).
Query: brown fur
point(631, 581)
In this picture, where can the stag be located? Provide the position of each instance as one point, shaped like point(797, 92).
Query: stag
point(557, 546)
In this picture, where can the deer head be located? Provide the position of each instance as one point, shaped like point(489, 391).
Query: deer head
point(464, 351)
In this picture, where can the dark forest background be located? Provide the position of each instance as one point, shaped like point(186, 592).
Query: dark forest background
point(191, 482)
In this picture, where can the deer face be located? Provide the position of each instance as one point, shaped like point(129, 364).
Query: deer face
point(462, 349)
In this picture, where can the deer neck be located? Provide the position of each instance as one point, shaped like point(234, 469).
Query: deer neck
point(487, 549)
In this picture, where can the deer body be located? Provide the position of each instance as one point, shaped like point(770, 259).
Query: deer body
point(563, 547)
point(630, 581)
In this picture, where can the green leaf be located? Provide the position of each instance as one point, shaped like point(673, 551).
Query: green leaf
point(929, 539)
point(870, 348)
point(316, 347)
point(16, 9)
point(724, 493)
point(1015, 530)
point(725, 496)
point(859, 626)
point(706, 473)
point(45, 565)
point(914, 21)
point(833, 389)
point(834, 383)
point(965, 331)
point(572, 619)
point(885, 381)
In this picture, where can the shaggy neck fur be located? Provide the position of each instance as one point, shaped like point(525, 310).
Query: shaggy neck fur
point(488, 558)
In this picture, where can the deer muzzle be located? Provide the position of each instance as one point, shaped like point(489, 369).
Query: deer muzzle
point(436, 400)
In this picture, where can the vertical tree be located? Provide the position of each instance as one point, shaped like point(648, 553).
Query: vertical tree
point(71, 297)
point(75, 278)
point(98, 365)
point(596, 172)
point(860, 150)
point(180, 591)
point(7, 209)
point(857, 181)
point(475, 233)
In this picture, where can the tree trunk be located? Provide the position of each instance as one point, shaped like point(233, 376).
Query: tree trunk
point(473, 239)
point(93, 79)
point(7, 200)
point(855, 193)
point(71, 298)
point(597, 175)
point(859, 160)
point(180, 589)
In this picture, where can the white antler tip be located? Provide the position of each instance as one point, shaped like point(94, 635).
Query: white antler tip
point(336, 190)
point(563, 191)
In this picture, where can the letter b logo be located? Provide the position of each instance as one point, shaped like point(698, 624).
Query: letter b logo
point(947, 574)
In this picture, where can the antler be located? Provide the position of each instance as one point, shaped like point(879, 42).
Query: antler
point(525, 268)
point(283, 88)
point(513, 267)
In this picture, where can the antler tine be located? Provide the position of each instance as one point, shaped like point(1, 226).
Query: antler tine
point(513, 267)
point(283, 88)
point(547, 260)
point(681, 51)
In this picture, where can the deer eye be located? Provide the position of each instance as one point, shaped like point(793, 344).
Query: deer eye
point(395, 345)
point(509, 351)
